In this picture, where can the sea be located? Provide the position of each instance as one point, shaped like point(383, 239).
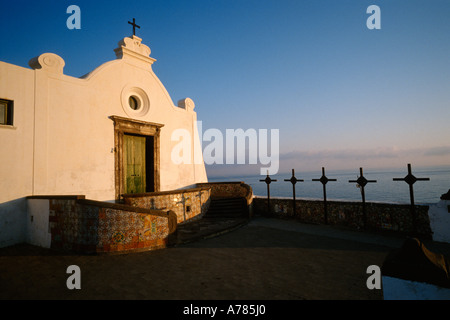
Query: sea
point(385, 189)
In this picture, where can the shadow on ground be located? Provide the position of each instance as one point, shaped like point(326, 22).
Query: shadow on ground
point(254, 262)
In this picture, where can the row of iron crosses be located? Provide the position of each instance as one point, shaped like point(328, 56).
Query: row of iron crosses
point(410, 179)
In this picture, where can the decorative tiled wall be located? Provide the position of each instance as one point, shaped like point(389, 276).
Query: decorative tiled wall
point(188, 204)
point(380, 216)
point(87, 226)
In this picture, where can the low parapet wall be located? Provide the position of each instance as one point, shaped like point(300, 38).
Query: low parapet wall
point(75, 224)
point(188, 204)
point(237, 189)
point(379, 216)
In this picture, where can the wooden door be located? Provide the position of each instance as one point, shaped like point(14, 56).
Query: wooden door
point(134, 163)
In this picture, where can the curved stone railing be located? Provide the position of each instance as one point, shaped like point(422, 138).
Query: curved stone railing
point(188, 204)
point(236, 189)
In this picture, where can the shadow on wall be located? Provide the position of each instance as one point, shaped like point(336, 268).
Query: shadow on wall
point(13, 222)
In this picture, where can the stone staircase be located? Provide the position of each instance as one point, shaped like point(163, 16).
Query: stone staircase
point(227, 208)
point(223, 215)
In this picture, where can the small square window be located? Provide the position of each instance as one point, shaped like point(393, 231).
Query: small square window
point(6, 112)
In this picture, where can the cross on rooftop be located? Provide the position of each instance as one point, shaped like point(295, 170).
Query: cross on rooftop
point(324, 180)
point(134, 26)
point(361, 181)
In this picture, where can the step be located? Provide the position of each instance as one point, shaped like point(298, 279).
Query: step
point(227, 208)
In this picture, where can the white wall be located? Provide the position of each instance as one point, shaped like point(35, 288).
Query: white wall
point(13, 216)
point(77, 156)
point(16, 157)
point(38, 232)
point(62, 142)
point(16, 142)
point(62, 139)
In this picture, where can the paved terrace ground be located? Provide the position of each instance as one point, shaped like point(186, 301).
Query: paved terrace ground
point(266, 259)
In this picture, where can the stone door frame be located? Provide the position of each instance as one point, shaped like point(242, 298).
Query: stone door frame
point(142, 128)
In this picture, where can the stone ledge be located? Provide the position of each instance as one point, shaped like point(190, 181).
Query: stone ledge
point(122, 207)
point(163, 193)
point(58, 197)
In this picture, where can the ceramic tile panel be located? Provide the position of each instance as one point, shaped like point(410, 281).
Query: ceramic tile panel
point(96, 229)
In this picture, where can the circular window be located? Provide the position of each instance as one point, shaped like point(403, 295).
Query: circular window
point(133, 102)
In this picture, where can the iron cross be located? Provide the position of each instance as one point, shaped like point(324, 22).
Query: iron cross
point(410, 179)
point(293, 180)
point(361, 181)
point(268, 180)
point(324, 180)
point(134, 26)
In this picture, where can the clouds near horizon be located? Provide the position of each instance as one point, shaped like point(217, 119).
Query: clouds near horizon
point(344, 159)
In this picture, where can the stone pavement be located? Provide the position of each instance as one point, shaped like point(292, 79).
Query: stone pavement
point(266, 259)
point(204, 228)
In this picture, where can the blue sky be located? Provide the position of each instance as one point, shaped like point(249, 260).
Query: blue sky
point(342, 96)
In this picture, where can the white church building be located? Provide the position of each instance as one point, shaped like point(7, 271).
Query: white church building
point(105, 134)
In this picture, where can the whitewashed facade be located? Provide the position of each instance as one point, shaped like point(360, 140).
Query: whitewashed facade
point(61, 135)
